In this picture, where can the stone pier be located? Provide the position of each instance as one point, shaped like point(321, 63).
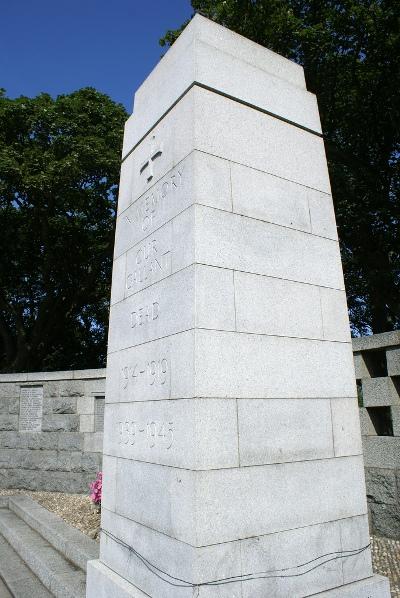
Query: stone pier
point(232, 453)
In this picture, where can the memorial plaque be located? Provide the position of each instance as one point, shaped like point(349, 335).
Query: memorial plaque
point(99, 414)
point(31, 409)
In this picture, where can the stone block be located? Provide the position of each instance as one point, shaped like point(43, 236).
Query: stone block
point(86, 423)
point(323, 222)
point(184, 561)
point(279, 431)
point(264, 499)
point(210, 62)
point(89, 374)
point(60, 423)
point(191, 434)
point(51, 389)
point(393, 361)
point(151, 314)
point(108, 499)
point(157, 370)
point(70, 441)
point(102, 582)
point(367, 427)
point(95, 386)
point(72, 388)
point(231, 241)
point(318, 369)
point(395, 414)
point(20, 377)
point(360, 366)
point(9, 406)
point(381, 451)
point(8, 422)
point(85, 405)
point(118, 279)
point(346, 427)
point(260, 195)
point(375, 586)
point(64, 405)
point(273, 306)
point(381, 485)
point(376, 341)
point(8, 390)
point(355, 534)
point(44, 376)
point(385, 520)
point(335, 315)
point(93, 443)
point(379, 392)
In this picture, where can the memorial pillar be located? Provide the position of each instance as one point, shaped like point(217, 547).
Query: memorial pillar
point(232, 456)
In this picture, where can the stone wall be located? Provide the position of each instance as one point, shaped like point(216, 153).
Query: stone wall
point(377, 364)
point(51, 429)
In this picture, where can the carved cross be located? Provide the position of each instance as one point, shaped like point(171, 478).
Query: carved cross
point(155, 152)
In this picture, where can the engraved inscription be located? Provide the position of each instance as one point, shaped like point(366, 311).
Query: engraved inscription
point(153, 433)
point(99, 404)
point(148, 262)
point(31, 409)
point(152, 373)
point(155, 152)
point(146, 209)
point(145, 315)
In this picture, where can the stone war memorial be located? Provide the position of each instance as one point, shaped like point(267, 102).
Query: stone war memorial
point(232, 455)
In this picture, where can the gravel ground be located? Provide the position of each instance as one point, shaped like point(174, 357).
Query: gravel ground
point(77, 510)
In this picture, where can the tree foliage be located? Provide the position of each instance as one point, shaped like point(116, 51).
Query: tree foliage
point(59, 170)
point(350, 52)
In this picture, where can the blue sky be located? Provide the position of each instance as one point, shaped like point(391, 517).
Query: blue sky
point(59, 46)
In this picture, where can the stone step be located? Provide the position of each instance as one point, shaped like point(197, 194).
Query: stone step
point(62, 578)
point(69, 541)
point(16, 579)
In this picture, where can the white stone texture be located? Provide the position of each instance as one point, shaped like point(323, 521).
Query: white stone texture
point(118, 279)
point(213, 56)
point(240, 243)
point(177, 558)
point(86, 423)
point(375, 586)
point(157, 370)
point(258, 500)
point(346, 427)
point(271, 367)
point(279, 431)
point(85, 405)
point(109, 488)
point(191, 434)
point(155, 313)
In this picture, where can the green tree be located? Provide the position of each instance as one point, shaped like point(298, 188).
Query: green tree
point(350, 52)
point(59, 170)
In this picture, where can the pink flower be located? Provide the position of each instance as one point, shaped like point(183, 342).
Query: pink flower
point(96, 489)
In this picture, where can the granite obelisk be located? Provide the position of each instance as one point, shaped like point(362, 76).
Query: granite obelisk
point(232, 453)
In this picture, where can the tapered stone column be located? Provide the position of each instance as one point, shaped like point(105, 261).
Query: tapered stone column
point(232, 454)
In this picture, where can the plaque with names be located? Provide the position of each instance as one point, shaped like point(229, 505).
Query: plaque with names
point(99, 414)
point(31, 409)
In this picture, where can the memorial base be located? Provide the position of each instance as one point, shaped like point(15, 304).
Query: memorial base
point(102, 582)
